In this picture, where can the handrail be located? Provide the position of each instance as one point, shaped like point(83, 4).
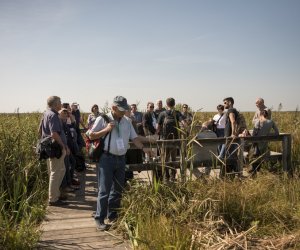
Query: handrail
point(279, 137)
point(285, 138)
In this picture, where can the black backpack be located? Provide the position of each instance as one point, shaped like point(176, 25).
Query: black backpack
point(170, 125)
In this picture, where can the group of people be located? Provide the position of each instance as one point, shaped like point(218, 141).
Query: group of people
point(127, 124)
point(61, 122)
point(149, 125)
point(226, 122)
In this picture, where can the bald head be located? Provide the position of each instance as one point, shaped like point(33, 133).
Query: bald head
point(260, 103)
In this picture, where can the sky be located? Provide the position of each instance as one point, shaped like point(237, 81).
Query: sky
point(199, 52)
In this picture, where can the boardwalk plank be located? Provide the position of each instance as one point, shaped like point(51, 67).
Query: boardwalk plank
point(71, 235)
point(72, 227)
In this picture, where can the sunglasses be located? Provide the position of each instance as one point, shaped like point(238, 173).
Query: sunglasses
point(151, 107)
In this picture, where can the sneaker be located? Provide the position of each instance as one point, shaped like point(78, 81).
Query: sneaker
point(63, 197)
point(101, 226)
point(58, 203)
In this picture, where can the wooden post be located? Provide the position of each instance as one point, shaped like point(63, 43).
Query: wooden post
point(241, 156)
point(183, 163)
point(286, 153)
point(163, 161)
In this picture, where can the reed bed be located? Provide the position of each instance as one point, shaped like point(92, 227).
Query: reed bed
point(213, 214)
point(260, 213)
point(23, 182)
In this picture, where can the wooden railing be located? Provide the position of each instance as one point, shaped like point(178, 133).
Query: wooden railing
point(284, 155)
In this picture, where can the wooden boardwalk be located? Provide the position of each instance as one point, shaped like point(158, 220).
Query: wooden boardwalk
point(73, 227)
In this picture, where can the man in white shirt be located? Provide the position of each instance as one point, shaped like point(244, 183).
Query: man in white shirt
point(112, 162)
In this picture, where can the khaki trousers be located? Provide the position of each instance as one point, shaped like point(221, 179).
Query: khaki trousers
point(56, 172)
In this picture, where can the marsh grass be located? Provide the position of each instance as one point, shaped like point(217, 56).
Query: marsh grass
point(23, 182)
point(258, 213)
point(183, 215)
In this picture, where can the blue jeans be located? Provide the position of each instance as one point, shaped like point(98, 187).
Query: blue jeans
point(111, 177)
point(229, 152)
point(220, 133)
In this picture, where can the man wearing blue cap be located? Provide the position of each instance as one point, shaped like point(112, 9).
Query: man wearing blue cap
point(111, 176)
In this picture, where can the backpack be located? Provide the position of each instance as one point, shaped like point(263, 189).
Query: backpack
point(95, 147)
point(241, 123)
point(170, 125)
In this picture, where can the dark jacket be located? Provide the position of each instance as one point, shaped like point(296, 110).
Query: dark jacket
point(148, 123)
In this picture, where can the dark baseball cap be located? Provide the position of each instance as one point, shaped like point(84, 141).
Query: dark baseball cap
point(121, 103)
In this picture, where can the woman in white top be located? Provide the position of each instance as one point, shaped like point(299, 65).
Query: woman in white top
point(219, 121)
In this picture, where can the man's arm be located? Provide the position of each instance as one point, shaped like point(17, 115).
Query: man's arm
point(57, 138)
point(233, 124)
point(99, 134)
point(137, 141)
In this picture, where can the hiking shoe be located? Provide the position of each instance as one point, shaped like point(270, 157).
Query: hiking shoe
point(58, 203)
point(111, 222)
point(251, 170)
point(101, 226)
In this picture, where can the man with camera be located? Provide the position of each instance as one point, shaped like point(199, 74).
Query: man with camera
point(51, 126)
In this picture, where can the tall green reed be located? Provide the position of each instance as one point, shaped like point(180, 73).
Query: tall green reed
point(23, 181)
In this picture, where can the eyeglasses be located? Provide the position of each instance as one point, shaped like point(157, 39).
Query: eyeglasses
point(152, 107)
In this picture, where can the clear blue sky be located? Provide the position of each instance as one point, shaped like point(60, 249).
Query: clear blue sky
point(195, 51)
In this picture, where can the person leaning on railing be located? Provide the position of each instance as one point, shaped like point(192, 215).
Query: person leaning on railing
point(262, 127)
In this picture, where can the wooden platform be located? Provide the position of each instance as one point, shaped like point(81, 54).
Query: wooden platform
point(73, 227)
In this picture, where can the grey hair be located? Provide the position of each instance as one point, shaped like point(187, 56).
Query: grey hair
point(52, 101)
point(261, 100)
